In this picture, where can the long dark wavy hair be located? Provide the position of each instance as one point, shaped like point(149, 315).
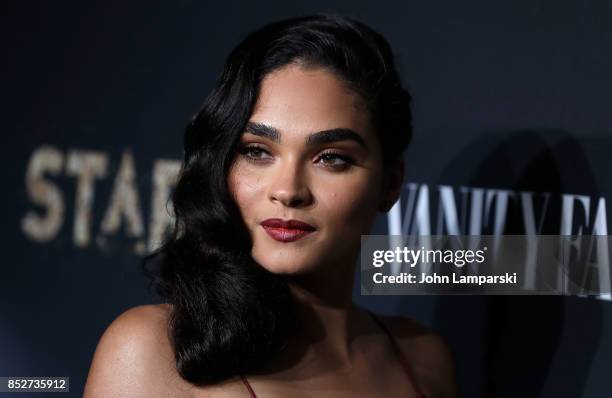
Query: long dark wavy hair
point(229, 314)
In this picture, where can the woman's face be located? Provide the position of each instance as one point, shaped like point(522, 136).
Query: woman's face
point(308, 154)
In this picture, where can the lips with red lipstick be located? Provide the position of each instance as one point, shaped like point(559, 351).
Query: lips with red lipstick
point(286, 230)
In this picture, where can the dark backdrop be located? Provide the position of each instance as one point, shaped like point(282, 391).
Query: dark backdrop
point(510, 98)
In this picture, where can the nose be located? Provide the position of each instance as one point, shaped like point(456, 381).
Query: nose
point(289, 186)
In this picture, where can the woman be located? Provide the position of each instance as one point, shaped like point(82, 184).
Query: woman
point(286, 164)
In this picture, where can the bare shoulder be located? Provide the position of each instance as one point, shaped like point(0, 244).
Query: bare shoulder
point(134, 357)
point(429, 355)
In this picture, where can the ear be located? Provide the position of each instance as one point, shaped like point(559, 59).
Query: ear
point(393, 185)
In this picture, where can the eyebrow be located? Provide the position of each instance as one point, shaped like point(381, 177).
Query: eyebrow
point(324, 136)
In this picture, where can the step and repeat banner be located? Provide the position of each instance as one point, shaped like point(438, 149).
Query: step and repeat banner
point(512, 107)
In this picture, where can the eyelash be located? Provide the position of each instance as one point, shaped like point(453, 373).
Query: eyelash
point(247, 150)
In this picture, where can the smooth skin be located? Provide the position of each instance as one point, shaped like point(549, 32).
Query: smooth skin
point(281, 170)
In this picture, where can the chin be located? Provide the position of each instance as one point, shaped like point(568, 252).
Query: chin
point(283, 267)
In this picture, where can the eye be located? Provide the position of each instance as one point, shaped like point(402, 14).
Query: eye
point(253, 152)
point(336, 160)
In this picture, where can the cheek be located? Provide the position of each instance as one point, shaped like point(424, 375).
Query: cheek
point(245, 188)
point(352, 205)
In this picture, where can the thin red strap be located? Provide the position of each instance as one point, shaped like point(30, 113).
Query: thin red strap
point(248, 386)
point(399, 354)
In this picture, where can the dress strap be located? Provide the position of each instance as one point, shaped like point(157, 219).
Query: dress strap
point(398, 353)
point(248, 387)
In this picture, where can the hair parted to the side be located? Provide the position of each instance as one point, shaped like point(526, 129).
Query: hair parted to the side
point(229, 314)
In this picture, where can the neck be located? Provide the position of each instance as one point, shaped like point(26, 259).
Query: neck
point(330, 321)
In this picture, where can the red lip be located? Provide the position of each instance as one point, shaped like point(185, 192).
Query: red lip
point(288, 224)
point(286, 231)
